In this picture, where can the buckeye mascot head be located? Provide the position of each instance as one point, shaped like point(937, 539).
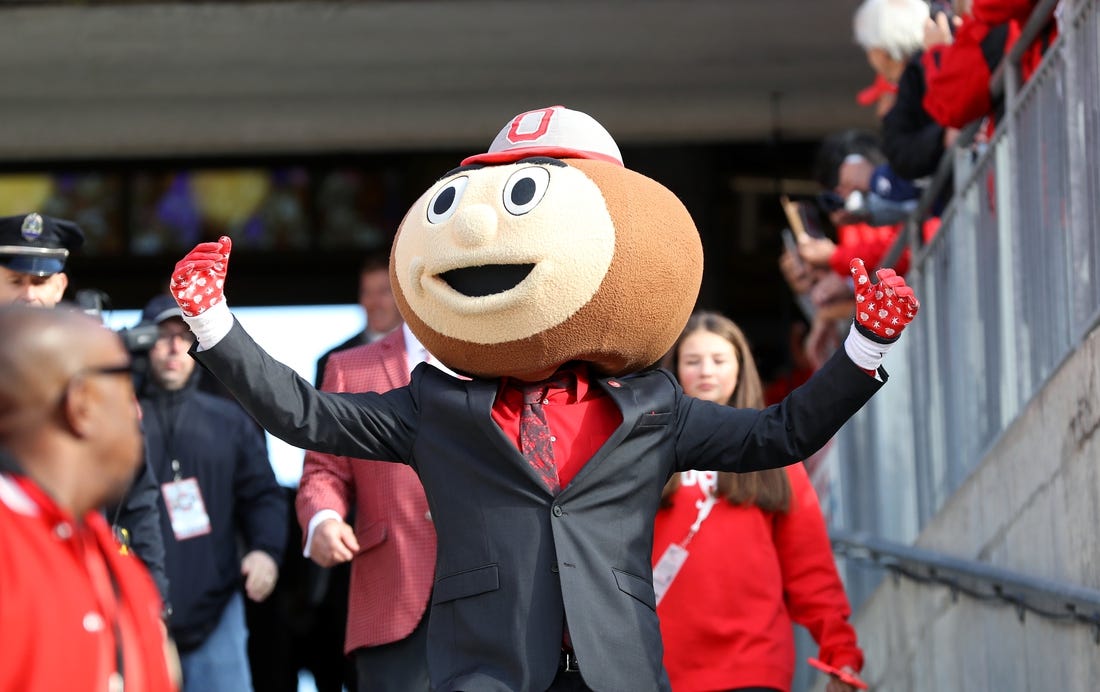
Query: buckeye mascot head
point(546, 250)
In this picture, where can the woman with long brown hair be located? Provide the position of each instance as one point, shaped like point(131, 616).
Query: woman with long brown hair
point(738, 558)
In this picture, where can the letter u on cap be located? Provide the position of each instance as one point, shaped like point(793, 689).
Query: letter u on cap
point(556, 131)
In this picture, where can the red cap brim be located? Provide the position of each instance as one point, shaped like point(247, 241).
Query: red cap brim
point(517, 153)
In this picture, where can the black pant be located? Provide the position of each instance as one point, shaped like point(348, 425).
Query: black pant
point(568, 682)
point(298, 628)
point(400, 666)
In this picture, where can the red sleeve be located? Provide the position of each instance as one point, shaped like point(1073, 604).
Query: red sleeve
point(327, 481)
point(814, 593)
point(957, 78)
point(869, 243)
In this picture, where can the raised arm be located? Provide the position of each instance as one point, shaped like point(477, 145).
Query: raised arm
point(372, 426)
point(716, 437)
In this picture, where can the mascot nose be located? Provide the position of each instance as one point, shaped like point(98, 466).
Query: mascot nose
point(475, 225)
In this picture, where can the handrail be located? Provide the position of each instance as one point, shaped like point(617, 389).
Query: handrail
point(1036, 21)
point(981, 580)
point(912, 237)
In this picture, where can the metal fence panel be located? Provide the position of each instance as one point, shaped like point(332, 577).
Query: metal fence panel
point(1008, 288)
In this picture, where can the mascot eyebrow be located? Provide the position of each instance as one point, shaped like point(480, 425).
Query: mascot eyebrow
point(548, 160)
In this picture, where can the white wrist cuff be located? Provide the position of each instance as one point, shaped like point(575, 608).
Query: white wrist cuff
point(211, 326)
point(864, 352)
point(321, 515)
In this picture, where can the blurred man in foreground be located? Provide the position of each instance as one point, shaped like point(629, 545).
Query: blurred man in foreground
point(82, 615)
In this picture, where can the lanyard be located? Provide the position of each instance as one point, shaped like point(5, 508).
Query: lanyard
point(101, 574)
point(168, 420)
point(704, 506)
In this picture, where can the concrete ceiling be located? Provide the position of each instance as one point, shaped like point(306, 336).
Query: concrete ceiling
point(97, 80)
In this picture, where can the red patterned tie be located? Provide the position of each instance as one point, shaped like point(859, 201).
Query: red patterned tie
point(534, 434)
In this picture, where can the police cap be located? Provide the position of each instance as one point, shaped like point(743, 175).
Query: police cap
point(36, 244)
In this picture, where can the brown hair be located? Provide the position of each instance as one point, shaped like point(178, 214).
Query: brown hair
point(769, 490)
point(375, 261)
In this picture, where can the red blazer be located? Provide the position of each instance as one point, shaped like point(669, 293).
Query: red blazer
point(391, 577)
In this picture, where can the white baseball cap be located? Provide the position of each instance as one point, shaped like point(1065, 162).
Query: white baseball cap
point(556, 131)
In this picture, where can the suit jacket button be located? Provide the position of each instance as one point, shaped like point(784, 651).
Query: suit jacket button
point(554, 568)
point(557, 511)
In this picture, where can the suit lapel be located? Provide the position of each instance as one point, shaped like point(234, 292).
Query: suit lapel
point(626, 399)
point(481, 394)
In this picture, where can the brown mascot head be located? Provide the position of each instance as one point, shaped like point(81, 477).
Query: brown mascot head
point(546, 250)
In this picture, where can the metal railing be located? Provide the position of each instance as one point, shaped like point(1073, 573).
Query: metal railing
point(1009, 287)
point(979, 580)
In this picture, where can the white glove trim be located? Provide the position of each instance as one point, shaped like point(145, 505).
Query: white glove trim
point(322, 515)
point(864, 352)
point(211, 326)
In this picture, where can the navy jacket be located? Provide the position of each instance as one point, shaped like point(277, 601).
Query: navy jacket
point(219, 445)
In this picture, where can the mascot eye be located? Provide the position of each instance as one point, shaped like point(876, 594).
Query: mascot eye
point(445, 202)
point(525, 189)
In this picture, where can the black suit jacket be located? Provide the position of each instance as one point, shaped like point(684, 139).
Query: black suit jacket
point(513, 560)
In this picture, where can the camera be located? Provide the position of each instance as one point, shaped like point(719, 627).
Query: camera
point(947, 9)
point(137, 339)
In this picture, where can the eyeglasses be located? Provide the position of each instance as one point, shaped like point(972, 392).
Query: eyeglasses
point(127, 369)
point(124, 369)
point(187, 338)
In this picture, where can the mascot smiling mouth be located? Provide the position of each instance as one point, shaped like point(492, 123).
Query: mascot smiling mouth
point(475, 282)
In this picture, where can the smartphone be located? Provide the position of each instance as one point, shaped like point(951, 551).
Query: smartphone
point(938, 7)
point(804, 303)
point(791, 244)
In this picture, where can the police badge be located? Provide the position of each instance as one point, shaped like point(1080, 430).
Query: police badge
point(32, 227)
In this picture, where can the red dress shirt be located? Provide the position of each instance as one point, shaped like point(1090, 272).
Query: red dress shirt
point(581, 418)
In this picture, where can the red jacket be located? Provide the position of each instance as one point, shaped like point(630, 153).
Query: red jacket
point(59, 628)
point(391, 577)
point(1017, 13)
point(871, 243)
point(957, 75)
point(726, 618)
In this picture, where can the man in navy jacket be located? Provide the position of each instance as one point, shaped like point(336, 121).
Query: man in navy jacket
point(216, 484)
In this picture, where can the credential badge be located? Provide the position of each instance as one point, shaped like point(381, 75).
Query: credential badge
point(32, 227)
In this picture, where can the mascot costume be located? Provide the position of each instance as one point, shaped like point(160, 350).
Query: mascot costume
point(552, 278)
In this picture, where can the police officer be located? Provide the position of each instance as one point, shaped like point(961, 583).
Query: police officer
point(33, 250)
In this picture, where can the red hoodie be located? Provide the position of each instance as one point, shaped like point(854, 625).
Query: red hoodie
point(726, 618)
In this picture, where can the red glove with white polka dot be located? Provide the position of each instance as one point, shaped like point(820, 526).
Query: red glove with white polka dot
point(198, 281)
point(883, 310)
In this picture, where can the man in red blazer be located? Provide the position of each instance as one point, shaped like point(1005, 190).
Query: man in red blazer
point(392, 545)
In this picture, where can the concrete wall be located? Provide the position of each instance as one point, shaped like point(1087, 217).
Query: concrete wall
point(1032, 506)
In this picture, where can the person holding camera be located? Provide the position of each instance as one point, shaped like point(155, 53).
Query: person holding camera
point(33, 252)
point(218, 486)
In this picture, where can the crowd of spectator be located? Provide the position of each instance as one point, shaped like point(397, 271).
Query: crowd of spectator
point(932, 64)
